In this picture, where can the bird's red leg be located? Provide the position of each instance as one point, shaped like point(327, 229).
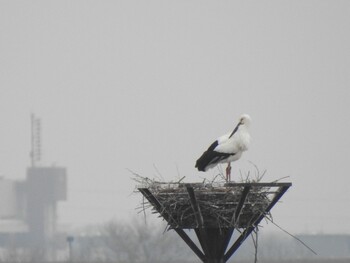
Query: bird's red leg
point(228, 172)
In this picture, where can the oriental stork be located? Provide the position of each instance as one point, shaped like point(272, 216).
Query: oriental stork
point(227, 148)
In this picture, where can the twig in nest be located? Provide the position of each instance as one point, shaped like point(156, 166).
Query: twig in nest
point(181, 179)
point(298, 239)
point(212, 181)
point(280, 179)
point(258, 176)
point(159, 174)
point(144, 210)
point(133, 173)
point(177, 170)
point(255, 243)
point(221, 174)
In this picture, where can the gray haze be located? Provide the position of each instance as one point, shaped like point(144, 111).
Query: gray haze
point(132, 84)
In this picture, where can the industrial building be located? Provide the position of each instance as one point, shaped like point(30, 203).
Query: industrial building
point(28, 208)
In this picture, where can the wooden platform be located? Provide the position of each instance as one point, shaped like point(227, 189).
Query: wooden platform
point(214, 212)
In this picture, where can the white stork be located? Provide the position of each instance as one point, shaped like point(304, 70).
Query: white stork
point(227, 148)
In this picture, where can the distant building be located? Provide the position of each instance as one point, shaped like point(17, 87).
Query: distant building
point(45, 186)
point(11, 199)
point(28, 208)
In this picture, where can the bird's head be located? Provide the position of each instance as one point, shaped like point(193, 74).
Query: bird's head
point(245, 120)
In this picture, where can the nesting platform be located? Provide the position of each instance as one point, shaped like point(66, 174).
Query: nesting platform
point(214, 212)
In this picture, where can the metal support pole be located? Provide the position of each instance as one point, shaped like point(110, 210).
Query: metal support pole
point(214, 239)
point(256, 222)
point(70, 240)
point(161, 210)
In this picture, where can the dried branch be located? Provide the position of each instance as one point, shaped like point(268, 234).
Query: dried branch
point(296, 238)
point(255, 243)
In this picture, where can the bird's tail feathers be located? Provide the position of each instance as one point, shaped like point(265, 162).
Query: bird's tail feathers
point(209, 159)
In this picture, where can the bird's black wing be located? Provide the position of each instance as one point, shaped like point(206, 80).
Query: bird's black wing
point(213, 146)
point(210, 156)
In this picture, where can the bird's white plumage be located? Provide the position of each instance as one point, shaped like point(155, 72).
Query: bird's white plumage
point(239, 142)
point(231, 145)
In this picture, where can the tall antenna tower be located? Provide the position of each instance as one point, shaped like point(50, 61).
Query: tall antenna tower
point(44, 187)
point(35, 153)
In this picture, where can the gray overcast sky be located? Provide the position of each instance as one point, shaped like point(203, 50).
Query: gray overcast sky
point(129, 84)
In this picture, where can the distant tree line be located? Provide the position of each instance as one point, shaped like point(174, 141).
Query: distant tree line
point(141, 241)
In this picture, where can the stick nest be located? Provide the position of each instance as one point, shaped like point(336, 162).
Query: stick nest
point(217, 203)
